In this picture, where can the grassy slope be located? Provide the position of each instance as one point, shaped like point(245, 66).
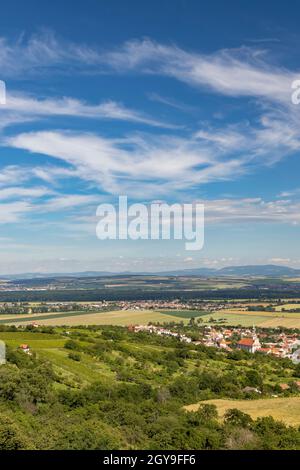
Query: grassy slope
point(89, 369)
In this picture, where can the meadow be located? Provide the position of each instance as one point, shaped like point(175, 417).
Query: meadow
point(36, 340)
point(282, 409)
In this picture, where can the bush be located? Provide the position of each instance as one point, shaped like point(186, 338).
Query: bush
point(74, 356)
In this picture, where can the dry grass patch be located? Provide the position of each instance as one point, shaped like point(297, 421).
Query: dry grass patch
point(282, 409)
point(117, 317)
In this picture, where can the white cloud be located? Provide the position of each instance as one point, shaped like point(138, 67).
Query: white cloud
point(12, 174)
point(67, 201)
point(21, 108)
point(17, 192)
point(13, 212)
point(139, 164)
point(134, 165)
point(252, 210)
point(144, 165)
point(41, 52)
point(235, 72)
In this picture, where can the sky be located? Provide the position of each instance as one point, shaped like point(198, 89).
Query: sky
point(180, 102)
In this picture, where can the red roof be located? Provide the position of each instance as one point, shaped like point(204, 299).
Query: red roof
point(246, 342)
point(284, 386)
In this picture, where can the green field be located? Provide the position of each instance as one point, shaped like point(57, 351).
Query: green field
point(36, 340)
point(114, 317)
point(184, 313)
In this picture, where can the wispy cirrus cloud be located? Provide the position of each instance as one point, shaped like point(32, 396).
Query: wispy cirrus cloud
point(19, 203)
point(252, 210)
point(24, 108)
point(138, 164)
point(242, 71)
point(42, 53)
point(23, 192)
point(171, 102)
point(146, 164)
point(234, 72)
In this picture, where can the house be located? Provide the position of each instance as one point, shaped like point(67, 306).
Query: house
point(284, 387)
point(223, 344)
point(25, 348)
point(251, 390)
point(296, 356)
point(249, 344)
point(228, 333)
point(185, 339)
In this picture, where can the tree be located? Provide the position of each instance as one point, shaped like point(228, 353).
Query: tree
point(253, 379)
point(11, 436)
point(237, 418)
point(297, 370)
point(73, 345)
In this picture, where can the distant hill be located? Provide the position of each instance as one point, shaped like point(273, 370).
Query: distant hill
point(259, 270)
point(250, 270)
point(269, 270)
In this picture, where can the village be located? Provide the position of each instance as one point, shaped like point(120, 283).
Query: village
point(281, 344)
point(44, 307)
point(175, 304)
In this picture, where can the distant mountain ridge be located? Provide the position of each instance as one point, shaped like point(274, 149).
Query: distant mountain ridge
point(246, 270)
point(271, 270)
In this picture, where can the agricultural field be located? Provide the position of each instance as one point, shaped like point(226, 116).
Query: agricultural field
point(116, 317)
point(32, 317)
point(184, 314)
point(287, 306)
point(286, 322)
point(259, 318)
point(282, 409)
point(230, 316)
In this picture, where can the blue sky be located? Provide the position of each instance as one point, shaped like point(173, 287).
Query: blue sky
point(177, 101)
